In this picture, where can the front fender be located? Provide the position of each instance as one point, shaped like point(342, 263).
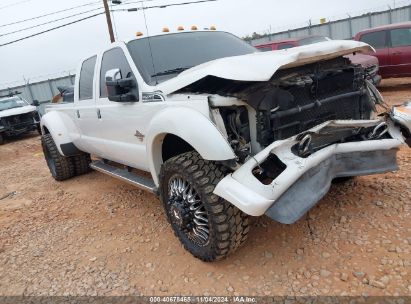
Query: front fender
point(63, 130)
point(191, 126)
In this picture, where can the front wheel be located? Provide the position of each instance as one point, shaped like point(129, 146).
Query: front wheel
point(209, 227)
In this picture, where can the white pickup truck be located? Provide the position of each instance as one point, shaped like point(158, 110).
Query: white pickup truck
point(221, 132)
point(17, 116)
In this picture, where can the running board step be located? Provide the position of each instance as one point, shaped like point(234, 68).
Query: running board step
point(139, 181)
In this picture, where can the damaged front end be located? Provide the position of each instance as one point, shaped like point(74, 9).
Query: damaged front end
point(290, 176)
point(296, 132)
point(401, 115)
point(313, 124)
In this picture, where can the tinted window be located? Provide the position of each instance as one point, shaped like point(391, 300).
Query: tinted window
point(172, 52)
point(401, 37)
point(265, 48)
point(284, 46)
point(311, 40)
point(86, 78)
point(377, 40)
point(113, 59)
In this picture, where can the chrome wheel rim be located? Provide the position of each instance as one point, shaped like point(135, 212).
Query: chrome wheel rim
point(187, 211)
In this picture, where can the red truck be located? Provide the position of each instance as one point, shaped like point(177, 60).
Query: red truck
point(393, 48)
point(370, 63)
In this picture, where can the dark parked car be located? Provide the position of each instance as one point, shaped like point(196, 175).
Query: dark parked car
point(370, 63)
point(393, 48)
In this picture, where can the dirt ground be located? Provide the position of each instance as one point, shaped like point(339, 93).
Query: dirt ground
point(94, 235)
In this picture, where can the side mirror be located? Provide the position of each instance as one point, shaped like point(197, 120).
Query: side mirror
point(36, 103)
point(121, 90)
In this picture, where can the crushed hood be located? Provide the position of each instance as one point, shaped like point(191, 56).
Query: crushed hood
point(261, 66)
point(17, 111)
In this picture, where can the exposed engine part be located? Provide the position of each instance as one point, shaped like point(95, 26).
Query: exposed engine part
point(374, 95)
point(297, 99)
point(238, 131)
point(301, 98)
point(299, 81)
point(309, 143)
point(379, 131)
point(269, 170)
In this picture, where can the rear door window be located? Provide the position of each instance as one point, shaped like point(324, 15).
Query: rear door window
point(378, 40)
point(401, 37)
point(86, 78)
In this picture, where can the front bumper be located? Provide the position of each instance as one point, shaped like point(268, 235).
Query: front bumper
point(18, 130)
point(305, 181)
point(16, 127)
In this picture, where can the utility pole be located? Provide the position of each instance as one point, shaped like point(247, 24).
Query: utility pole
point(109, 23)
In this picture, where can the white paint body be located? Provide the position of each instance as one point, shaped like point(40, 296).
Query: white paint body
point(17, 111)
point(188, 116)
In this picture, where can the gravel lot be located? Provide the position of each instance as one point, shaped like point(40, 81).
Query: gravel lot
point(94, 235)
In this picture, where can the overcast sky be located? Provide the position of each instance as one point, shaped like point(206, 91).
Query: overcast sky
point(61, 50)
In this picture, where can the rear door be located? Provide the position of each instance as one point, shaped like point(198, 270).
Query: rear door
point(400, 52)
point(379, 40)
point(85, 108)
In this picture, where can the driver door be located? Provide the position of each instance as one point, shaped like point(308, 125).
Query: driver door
point(120, 122)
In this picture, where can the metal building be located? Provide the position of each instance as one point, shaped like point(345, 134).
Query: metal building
point(344, 28)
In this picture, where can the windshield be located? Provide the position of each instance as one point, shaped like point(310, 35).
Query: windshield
point(174, 53)
point(11, 103)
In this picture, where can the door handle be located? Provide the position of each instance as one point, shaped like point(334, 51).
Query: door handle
point(397, 53)
point(78, 114)
point(98, 114)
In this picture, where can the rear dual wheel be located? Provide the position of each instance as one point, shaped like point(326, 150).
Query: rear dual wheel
point(62, 167)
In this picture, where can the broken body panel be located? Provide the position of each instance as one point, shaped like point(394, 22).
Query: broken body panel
point(311, 137)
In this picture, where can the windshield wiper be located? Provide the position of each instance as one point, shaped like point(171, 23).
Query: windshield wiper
point(170, 72)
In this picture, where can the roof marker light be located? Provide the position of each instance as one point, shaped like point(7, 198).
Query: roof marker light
point(194, 28)
point(139, 34)
point(213, 28)
point(180, 28)
point(166, 30)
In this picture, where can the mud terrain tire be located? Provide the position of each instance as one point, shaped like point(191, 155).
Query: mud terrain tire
point(61, 167)
point(227, 225)
point(81, 163)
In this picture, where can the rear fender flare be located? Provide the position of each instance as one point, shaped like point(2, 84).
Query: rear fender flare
point(63, 130)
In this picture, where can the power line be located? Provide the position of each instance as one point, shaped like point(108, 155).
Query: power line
point(160, 6)
point(98, 14)
point(51, 29)
point(66, 10)
point(14, 4)
point(48, 22)
point(49, 14)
